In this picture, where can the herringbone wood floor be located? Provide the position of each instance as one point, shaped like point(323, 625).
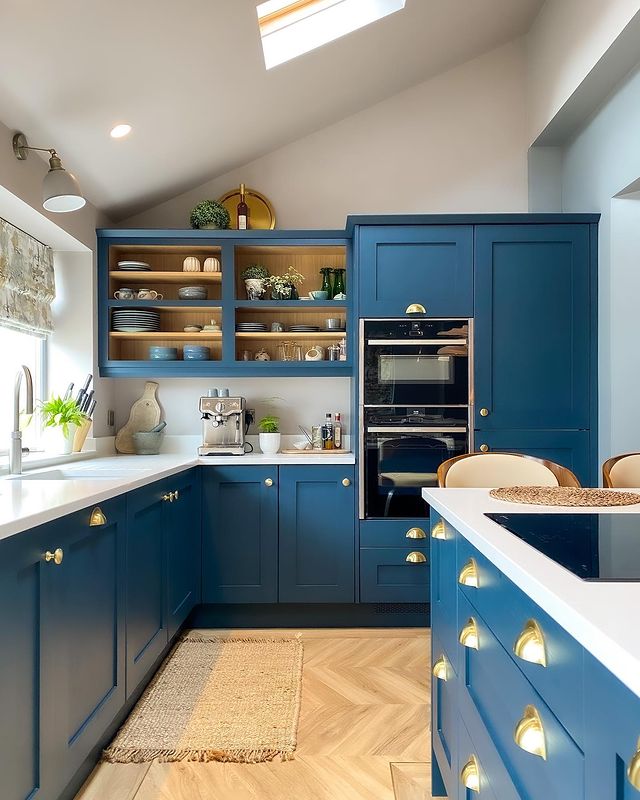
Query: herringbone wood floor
point(364, 730)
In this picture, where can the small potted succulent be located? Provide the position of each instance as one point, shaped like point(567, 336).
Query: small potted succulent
point(284, 287)
point(255, 277)
point(209, 214)
point(64, 415)
point(269, 435)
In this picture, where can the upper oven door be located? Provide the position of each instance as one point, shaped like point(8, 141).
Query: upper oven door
point(427, 369)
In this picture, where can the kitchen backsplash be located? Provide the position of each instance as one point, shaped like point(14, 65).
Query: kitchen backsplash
point(297, 401)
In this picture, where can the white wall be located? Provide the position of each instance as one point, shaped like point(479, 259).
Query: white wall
point(297, 401)
point(598, 165)
point(456, 143)
point(565, 42)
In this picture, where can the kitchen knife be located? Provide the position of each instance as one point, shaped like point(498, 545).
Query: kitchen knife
point(83, 392)
point(91, 408)
point(87, 402)
point(67, 394)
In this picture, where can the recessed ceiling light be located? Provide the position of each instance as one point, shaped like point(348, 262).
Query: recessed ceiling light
point(120, 130)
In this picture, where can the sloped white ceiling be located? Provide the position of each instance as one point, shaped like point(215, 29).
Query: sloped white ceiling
point(191, 80)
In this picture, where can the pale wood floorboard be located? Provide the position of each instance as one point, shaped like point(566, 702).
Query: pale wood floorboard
point(365, 705)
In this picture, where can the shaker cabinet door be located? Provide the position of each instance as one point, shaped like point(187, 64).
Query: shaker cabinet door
point(532, 327)
point(240, 534)
point(403, 264)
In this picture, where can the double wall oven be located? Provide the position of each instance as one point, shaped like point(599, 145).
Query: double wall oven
point(415, 409)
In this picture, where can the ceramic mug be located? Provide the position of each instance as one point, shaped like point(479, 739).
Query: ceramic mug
point(124, 294)
point(314, 354)
point(149, 294)
point(277, 327)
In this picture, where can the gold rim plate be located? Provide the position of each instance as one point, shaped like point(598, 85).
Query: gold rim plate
point(261, 213)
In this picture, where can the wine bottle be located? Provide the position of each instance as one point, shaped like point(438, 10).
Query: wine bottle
point(243, 211)
point(337, 432)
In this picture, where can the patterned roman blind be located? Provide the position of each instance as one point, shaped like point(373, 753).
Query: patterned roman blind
point(27, 283)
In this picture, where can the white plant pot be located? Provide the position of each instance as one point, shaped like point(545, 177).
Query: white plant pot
point(269, 443)
point(255, 288)
point(66, 442)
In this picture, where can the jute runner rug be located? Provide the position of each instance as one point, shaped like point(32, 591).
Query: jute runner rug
point(217, 699)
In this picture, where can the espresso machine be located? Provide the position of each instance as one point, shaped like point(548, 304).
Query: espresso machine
point(223, 426)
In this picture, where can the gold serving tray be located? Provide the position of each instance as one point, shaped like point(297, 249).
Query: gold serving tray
point(261, 213)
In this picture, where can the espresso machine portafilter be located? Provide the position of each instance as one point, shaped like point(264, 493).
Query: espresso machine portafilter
point(223, 426)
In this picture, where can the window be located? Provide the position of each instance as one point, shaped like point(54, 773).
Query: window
point(289, 28)
point(19, 348)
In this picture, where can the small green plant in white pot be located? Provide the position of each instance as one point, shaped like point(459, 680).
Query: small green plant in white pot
point(209, 214)
point(255, 277)
point(63, 415)
point(269, 435)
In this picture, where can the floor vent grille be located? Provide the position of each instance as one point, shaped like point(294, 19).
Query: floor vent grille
point(402, 608)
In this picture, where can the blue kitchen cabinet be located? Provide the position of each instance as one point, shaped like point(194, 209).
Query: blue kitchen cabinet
point(394, 574)
point(83, 637)
point(184, 548)
point(146, 609)
point(403, 264)
point(240, 534)
point(612, 717)
point(316, 534)
point(572, 449)
point(532, 327)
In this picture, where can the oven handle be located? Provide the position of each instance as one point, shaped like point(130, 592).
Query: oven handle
point(396, 429)
point(414, 342)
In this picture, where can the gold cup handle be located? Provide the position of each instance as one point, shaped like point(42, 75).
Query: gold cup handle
point(415, 308)
point(56, 556)
point(529, 734)
point(439, 530)
point(470, 774)
point(469, 574)
point(530, 645)
point(633, 770)
point(415, 533)
point(97, 518)
point(440, 669)
point(416, 558)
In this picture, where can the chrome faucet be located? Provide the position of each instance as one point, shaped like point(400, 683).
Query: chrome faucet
point(15, 453)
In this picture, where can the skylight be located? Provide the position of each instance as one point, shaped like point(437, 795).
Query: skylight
point(289, 28)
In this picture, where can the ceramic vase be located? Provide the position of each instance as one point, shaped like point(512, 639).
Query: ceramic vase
point(269, 443)
point(255, 288)
point(65, 443)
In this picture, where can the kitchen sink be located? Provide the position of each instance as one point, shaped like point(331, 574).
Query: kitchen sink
point(77, 474)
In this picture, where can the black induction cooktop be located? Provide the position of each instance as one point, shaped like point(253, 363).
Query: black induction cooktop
point(595, 547)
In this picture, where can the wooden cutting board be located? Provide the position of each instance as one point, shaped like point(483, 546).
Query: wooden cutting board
point(144, 415)
point(292, 451)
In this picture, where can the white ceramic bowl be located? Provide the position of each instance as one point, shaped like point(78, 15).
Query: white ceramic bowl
point(301, 444)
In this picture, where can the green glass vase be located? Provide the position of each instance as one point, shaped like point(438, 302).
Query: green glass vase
point(326, 281)
point(338, 283)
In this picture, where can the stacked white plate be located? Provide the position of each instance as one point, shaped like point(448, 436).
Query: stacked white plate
point(251, 327)
point(304, 328)
point(134, 266)
point(135, 320)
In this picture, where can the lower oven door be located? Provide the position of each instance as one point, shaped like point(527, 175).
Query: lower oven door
point(399, 463)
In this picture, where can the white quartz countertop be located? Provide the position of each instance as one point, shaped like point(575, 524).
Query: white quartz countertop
point(25, 502)
point(599, 615)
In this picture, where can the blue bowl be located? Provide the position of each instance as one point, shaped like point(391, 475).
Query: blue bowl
point(158, 353)
point(199, 355)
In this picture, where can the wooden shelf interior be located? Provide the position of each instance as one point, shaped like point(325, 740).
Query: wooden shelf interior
point(174, 320)
point(135, 346)
point(166, 274)
point(307, 260)
point(291, 316)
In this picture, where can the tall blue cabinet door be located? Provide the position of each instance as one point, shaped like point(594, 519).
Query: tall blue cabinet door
point(427, 264)
point(21, 567)
point(184, 549)
point(83, 643)
point(146, 581)
point(317, 530)
point(240, 534)
point(532, 326)
point(571, 449)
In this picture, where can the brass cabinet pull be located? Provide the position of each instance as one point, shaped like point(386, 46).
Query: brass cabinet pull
point(484, 448)
point(633, 771)
point(268, 482)
point(469, 574)
point(470, 774)
point(168, 498)
point(529, 733)
point(416, 308)
point(415, 533)
point(416, 558)
point(530, 645)
point(439, 530)
point(469, 635)
point(484, 412)
point(56, 556)
point(97, 517)
point(176, 495)
point(346, 482)
point(440, 670)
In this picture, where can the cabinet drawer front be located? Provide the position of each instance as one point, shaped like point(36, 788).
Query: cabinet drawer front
point(444, 590)
point(502, 696)
point(515, 620)
point(387, 576)
point(494, 780)
point(444, 714)
point(395, 532)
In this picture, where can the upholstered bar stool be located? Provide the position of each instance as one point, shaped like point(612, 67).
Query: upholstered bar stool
point(493, 470)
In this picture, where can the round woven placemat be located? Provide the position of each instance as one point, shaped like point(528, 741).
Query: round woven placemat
point(564, 496)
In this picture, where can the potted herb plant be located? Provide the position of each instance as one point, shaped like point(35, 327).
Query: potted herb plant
point(255, 277)
point(64, 415)
point(209, 214)
point(269, 435)
point(284, 287)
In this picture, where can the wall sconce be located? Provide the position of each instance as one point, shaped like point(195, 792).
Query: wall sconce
point(60, 189)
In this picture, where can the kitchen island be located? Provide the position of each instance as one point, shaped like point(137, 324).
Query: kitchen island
point(536, 690)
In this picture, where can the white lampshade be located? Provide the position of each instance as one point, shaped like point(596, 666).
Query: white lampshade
point(60, 189)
